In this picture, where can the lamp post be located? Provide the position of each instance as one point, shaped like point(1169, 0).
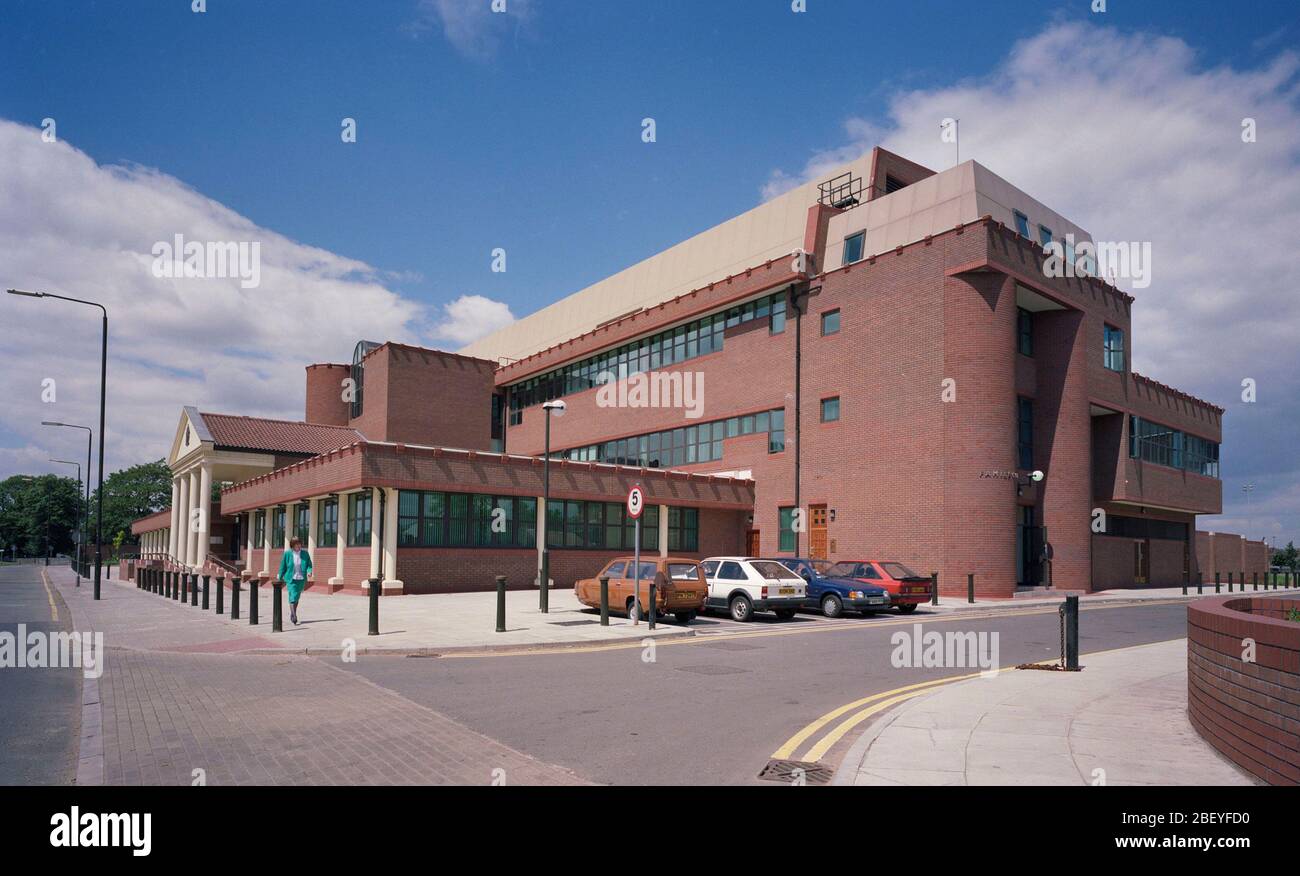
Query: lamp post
point(80, 531)
point(556, 407)
point(90, 434)
point(103, 385)
point(1248, 488)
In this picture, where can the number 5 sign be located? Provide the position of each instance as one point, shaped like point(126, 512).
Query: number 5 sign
point(635, 503)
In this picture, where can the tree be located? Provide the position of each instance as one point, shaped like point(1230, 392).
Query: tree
point(39, 514)
point(130, 494)
point(1287, 557)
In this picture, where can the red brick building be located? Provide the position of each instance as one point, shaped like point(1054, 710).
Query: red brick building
point(878, 365)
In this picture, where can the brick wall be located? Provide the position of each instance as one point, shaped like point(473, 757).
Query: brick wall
point(325, 402)
point(1226, 552)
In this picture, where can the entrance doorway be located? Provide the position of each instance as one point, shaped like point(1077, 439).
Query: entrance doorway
point(817, 532)
point(752, 544)
point(1142, 561)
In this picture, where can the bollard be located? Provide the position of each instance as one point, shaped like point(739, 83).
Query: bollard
point(207, 583)
point(1200, 583)
point(1216, 582)
point(970, 587)
point(1254, 581)
point(183, 594)
point(1230, 579)
point(253, 584)
point(501, 603)
point(234, 597)
point(934, 588)
point(604, 600)
point(277, 610)
point(167, 585)
point(1071, 633)
point(221, 594)
point(374, 607)
point(653, 605)
point(194, 590)
point(1187, 577)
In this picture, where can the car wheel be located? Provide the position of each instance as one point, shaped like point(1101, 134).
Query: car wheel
point(633, 610)
point(684, 617)
point(907, 609)
point(785, 613)
point(831, 605)
point(741, 609)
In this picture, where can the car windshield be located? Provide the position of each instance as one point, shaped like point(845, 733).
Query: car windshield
point(683, 572)
point(842, 570)
point(898, 570)
point(771, 571)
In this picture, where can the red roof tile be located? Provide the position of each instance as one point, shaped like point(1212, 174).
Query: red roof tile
point(280, 436)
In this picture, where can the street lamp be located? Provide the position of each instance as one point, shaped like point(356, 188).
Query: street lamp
point(90, 434)
point(556, 407)
point(1248, 489)
point(80, 531)
point(103, 386)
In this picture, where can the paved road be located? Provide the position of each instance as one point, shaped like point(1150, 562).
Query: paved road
point(713, 709)
point(40, 709)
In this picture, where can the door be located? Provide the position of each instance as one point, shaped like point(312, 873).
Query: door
point(817, 532)
point(751, 544)
point(1141, 561)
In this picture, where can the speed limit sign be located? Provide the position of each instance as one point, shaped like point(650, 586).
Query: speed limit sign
point(635, 503)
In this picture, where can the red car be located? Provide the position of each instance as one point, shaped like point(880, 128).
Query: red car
point(906, 589)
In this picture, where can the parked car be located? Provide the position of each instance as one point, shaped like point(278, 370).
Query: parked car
point(680, 588)
point(743, 585)
point(906, 589)
point(832, 595)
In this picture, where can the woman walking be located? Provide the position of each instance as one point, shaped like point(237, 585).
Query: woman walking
point(295, 569)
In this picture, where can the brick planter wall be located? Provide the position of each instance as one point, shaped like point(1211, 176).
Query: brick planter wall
point(1250, 712)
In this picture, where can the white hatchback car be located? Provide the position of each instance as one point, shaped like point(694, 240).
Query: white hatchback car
point(743, 585)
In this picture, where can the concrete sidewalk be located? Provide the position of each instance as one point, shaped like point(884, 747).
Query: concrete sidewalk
point(454, 622)
point(1121, 721)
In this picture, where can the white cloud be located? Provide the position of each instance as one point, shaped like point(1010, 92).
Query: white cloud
point(1131, 137)
point(472, 26)
point(471, 317)
point(72, 227)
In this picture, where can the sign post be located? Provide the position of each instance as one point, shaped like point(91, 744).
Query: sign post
point(635, 505)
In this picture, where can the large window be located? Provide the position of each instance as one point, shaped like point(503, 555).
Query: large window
point(853, 247)
point(830, 322)
point(689, 341)
point(830, 409)
point(1114, 348)
point(359, 507)
point(683, 529)
point(601, 526)
point(1025, 432)
point(302, 523)
point(1164, 445)
point(277, 527)
point(428, 519)
point(327, 528)
point(1024, 332)
point(685, 446)
point(788, 538)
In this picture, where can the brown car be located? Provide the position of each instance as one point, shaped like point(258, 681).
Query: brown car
point(680, 588)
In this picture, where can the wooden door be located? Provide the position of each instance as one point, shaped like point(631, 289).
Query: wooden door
point(817, 532)
point(752, 544)
point(1141, 561)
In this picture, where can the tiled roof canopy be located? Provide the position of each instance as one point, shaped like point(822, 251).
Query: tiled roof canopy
point(279, 436)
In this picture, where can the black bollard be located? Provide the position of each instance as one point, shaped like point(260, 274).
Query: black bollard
point(653, 605)
point(604, 600)
point(1216, 582)
point(253, 584)
point(167, 584)
point(1187, 579)
point(277, 610)
point(194, 590)
point(1072, 632)
point(183, 594)
point(1254, 581)
point(501, 603)
point(970, 587)
point(934, 588)
point(221, 594)
point(234, 597)
point(207, 584)
point(374, 607)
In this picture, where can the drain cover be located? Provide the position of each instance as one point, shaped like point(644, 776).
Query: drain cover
point(711, 669)
point(575, 623)
point(791, 771)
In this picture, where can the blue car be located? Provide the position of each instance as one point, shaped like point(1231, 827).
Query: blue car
point(834, 596)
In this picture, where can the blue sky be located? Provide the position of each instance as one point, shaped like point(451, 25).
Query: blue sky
point(522, 131)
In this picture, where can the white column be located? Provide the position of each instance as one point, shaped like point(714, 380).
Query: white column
point(248, 552)
point(192, 553)
point(391, 583)
point(375, 546)
point(175, 516)
point(266, 544)
point(204, 535)
point(340, 542)
point(183, 523)
point(663, 530)
point(312, 506)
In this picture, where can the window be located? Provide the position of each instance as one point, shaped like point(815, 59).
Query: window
point(776, 324)
point(430, 519)
point(615, 570)
point(683, 529)
point(599, 526)
point(1022, 224)
point(277, 528)
point(776, 432)
point(788, 538)
point(1024, 332)
point(1044, 235)
point(830, 322)
point(893, 184)
point(359, 518)
point(327, 528)
point(1025, 432)
point(1114, 348)
point(685, 446)
point(830, 409)
point(302, 523)
point(853, 247)
point(1163, 445)
point(259, 530)
point(731, 572)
